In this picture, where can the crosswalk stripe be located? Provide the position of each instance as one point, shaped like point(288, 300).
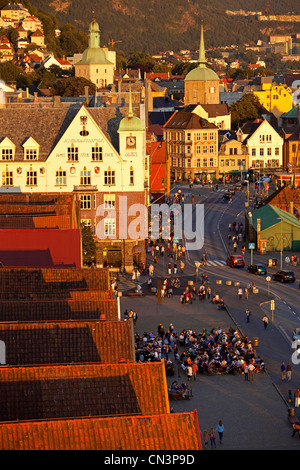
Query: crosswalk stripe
point(216, 263)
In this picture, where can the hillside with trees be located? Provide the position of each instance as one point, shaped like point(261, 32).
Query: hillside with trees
point(159, 25)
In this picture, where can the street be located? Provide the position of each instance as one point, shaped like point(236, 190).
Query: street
point(255, 414)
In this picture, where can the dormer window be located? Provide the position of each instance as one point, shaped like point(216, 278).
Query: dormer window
point(31, 149)
point(31, 154)
point(7, 154)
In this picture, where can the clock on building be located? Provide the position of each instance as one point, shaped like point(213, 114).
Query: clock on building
point(131, 142)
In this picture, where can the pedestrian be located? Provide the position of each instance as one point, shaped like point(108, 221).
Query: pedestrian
point(248, 313)
point(169, 268)
point(220, 430)
point(134, 316)
point(283, 371)
point(289, 371)
point(246, 292)
point(181, 266)
point(251, 371)
point(194, 369)
point(265, 321)
point(175, 268)
point(212, 438)
point(246, 372)
point(240, 293)
point(235, 246)
point(205, 438)
point(189, 372)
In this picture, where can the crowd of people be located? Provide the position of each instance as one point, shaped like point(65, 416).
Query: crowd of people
point(208, 352)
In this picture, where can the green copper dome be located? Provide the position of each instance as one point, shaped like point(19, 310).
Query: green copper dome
point(94, 54)
point(202, 72)
point(131, 122)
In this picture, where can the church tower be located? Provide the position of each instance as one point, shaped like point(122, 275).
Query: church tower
point(94, 64)
point(202, 83)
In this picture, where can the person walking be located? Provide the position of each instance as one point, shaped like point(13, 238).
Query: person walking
point(220, 430)
point(265, 321)
point(246, 292)
point(248, 313)
point(240, 293)
point(283, 371)
point(289, 371)
point(212, 438)
point(181, 266)
point(246, 372)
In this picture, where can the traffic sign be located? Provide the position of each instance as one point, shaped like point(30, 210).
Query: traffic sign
point(272, 305)
point(268, 279)
point(251, 246)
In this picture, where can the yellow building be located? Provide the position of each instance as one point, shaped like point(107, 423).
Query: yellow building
point(275, 98)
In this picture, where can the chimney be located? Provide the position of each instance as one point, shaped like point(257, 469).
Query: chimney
point(292, 207)
point(86, 94)
point(35, 97)
point(56, 103)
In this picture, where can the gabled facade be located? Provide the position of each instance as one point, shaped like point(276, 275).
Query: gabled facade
point(265, 147)
point(66, 151)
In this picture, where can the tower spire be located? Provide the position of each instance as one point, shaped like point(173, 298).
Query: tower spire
point(202, 59)
point(130, 112)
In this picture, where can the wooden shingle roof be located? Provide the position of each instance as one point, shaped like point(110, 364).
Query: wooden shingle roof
point(67, 342)
point(69, 391)
point(170, 432)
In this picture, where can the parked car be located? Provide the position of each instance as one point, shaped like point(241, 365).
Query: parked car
point(235, 261)
point(284, 276)
point(257, 269)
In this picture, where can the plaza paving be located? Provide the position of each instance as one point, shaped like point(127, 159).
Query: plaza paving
point(254, 414)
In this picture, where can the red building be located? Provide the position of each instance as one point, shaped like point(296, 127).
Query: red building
point(159, 179)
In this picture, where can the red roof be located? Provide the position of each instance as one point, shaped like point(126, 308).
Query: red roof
point(67, 342)
point(78, 390)
point(63, 61)
point(170, 432)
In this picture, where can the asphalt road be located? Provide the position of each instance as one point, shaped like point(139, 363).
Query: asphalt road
point(256, 416)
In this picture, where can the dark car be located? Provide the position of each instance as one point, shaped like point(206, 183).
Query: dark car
point(235, 261)
point(257, 269)
point(284, 276)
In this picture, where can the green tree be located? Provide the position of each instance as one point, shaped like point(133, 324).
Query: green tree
point(71, 40)
point(247, 109)
point(89, 248)
point(73, 86)
point(142, 61)
point(9, 72)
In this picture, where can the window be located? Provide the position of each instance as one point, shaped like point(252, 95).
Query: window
point(188, 163)
point(204, 161)
point(110, 227)
point(222, 163)
point(198, 136)
point(97, 154)
point(188, 136)
point(212, 89)
point(269, 151)
point(232, 162)
point(131, 178)
point(198, 149)
point(73, 154)
point(7, 178)
point(211, 162)
point(31, 178)
point(294, 148)
point(261, 152)
point(109, 201)
point(211, 136)
point(7, 154)
point(85, 201)
point(198, 163)
point(253, 152)
point(205, 136)
point(109, 177)
point(277, 151)
point(31, 154)
point(85, 177)
point(61, 178)
point(211, 149)
point(204, 148)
